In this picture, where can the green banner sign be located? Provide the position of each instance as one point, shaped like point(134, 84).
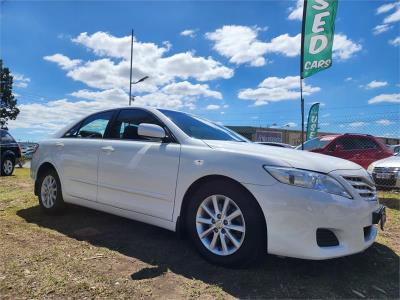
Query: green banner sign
point(312, 122)
point(317, 36)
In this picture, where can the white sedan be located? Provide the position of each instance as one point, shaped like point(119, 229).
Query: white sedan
point(236, 200)
point(386, 172)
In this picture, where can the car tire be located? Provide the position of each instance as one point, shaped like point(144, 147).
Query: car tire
point(7, 166)
point(50, 193)
point(232, 242)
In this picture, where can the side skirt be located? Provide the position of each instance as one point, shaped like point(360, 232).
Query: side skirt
point(169, 225)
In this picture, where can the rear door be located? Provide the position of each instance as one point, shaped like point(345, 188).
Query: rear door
point(137, 173)
point(76, 156)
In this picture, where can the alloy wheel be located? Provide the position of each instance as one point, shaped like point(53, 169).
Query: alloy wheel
point(48, 191)
point(220, 225)
point(7, 167)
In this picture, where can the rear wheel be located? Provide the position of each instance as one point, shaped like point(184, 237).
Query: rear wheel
point(7, 166)
point(226, 224)
point(50, 195)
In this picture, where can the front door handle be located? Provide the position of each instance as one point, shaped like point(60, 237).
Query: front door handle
point(60, 144)
point(108, 149)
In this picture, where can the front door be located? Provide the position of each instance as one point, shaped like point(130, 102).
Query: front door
point(137, 173)
point(77, 154)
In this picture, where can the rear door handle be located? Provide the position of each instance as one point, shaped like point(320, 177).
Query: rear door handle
point(108, 149)
point(60, 144)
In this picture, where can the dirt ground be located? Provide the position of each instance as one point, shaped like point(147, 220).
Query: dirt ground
point(88, 254)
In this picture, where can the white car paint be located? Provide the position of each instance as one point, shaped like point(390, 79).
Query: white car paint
point(389, 165)
point(147, 181)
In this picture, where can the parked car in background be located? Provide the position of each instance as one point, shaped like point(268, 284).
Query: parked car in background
point(10, 153)
point(362, 149)
point(395, 148)
point(282, 145)
point(27, 150)
point(234, 199)
point(386, 172)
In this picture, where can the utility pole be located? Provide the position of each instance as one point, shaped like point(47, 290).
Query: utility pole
point(130, 75)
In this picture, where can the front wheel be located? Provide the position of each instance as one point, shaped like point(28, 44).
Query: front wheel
point(50, 195)
point(226, 224)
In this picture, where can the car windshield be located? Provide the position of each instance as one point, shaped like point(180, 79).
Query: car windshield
point(203, 129)
point(316, 143)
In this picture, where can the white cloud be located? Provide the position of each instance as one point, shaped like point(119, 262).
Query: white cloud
point(296, 12)
point(111, 69)
point(189, 32)
point(106, 77)
point(213, 107)
point(348, 79)
point(274, 89)
point(20, 80)
point(384, 122)
point(186, 88)
point(241, 46)
point(343, 47)
point(149, 60)
point(395, 42)
point(375, 84)
point(285, 44)
point(378, 29)
point(393, 17)
point(357, 124)
point(290, 124)
point(63, 61)
point(385, 8)
point(389, 98)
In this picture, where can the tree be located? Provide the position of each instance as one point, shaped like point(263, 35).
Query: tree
point(8, 103)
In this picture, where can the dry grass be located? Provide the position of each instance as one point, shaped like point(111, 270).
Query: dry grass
point(88, 254)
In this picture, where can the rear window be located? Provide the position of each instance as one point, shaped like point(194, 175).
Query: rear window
point(6, 138)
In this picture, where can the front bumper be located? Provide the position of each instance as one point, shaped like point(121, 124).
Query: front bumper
point(293, 216)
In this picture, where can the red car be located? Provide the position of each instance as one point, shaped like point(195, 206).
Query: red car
point(359, 148)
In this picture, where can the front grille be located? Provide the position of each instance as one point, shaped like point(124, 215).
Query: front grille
point(326, 238)
point(363, 187)
point(386, 170)
point(385, 182)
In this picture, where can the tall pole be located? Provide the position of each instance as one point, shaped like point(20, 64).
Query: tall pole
point(303, 24)
point(302, 113)
point(130, 75)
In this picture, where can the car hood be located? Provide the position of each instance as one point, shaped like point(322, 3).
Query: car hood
point(390, 162)
point(284, 156)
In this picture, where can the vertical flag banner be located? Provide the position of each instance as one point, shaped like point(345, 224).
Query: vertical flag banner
point(317, 35)
point(312, 123)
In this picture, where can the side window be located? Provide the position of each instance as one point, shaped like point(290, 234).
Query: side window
point(73, 131)
point(332, 146)
point(126, 124)
point(368, 144)
point(347, 143)
point(93, 127)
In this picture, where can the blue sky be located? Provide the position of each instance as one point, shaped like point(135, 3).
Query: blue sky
point(233, 62)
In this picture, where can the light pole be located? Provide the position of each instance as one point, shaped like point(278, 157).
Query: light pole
point(132, 98)
point(130, 75)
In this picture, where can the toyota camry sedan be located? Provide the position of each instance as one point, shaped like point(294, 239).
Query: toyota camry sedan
point(234, 199)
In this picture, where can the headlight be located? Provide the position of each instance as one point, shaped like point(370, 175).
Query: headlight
point(308, 179)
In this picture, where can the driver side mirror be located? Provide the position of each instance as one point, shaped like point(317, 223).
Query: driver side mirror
point(151, 131)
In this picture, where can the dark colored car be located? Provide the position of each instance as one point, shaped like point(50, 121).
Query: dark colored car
point(10, 153)
point(362, 149)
